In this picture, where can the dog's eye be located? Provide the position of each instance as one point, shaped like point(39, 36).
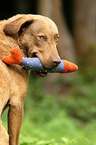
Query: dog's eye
point(57, 38)
point(41, 37)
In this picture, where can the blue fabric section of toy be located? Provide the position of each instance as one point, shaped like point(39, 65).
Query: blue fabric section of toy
point(36, 65)
point(58, 69)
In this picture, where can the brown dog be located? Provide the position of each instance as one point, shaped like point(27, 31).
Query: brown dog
point(32, 35)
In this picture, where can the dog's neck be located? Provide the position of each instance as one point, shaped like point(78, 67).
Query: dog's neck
point(23, 48)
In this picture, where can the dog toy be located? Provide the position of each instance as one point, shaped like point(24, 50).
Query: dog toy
point(35, 64)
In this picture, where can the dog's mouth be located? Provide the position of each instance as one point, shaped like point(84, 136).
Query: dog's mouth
point(40, 73)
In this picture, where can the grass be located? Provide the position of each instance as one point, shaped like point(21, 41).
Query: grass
point(70, 120)
point(44, 125)
point(54, 126)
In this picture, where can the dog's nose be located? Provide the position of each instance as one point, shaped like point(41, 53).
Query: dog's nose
point(56, 61)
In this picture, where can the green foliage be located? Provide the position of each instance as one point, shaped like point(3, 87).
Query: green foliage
point(59, 120)
point(83, 104)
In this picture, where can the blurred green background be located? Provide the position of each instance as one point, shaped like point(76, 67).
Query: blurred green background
point(60, 109)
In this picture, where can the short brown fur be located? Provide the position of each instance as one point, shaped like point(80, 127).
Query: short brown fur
point(31, 35)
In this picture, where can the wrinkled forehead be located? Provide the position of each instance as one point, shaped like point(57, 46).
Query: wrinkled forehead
point(43, 25)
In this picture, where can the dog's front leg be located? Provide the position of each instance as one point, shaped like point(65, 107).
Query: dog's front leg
point(15, 117)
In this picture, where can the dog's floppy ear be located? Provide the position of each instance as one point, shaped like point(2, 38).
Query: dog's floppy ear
point(15, 24)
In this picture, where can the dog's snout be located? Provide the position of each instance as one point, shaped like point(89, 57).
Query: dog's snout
point(56, 61)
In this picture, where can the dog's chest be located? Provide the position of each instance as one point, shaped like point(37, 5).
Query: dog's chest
point(18, 81)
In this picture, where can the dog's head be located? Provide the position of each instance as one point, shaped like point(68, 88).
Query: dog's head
point(37, 36)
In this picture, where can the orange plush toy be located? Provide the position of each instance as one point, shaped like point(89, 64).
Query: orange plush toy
point(35, 63)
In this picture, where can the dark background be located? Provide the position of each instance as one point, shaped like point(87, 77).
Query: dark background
point(13, 7)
